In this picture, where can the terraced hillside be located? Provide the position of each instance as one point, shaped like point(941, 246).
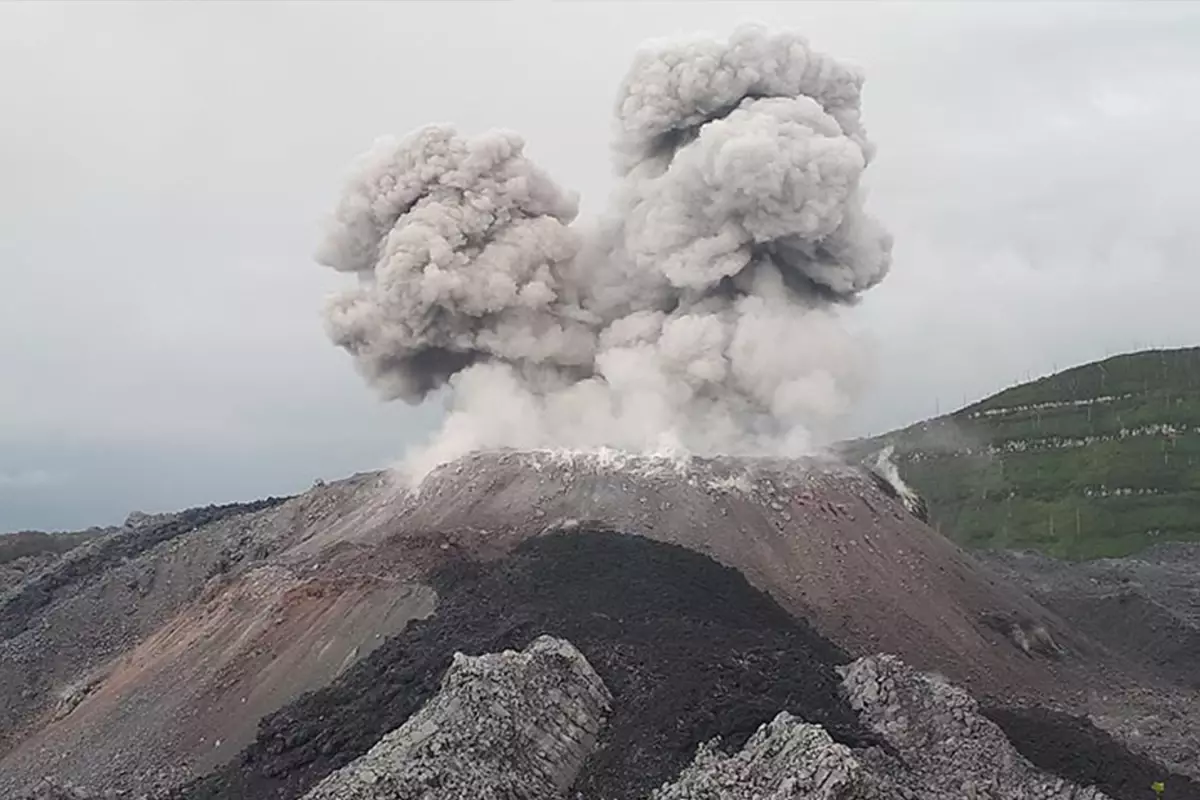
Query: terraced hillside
point(1099, 460)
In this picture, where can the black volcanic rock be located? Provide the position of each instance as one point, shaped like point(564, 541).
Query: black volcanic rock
point(688, 648)
point(1073, 748)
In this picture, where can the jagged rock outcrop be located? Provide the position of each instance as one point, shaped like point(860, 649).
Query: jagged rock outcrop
point(50, 789)
point(785, 758)
point(944, 747)
point(939, 747)
point(150, 656)
point(519, 726)
point(689, 650)
point(516, 726)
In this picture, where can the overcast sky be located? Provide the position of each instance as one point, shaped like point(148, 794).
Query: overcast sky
point(164, 169)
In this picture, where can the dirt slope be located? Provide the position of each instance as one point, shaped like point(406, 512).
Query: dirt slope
point(824, 540)
point(156, 656)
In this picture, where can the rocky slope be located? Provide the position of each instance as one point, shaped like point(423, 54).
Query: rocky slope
point(157, 648)
point(937, 745)
point(510, 724)
point(151, 655)
point(826, 541)
point(27, 553)
point(687, 648)
point(1146, 607)
point(522, 725)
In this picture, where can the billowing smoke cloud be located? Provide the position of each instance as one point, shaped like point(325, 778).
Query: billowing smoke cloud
point(700, 315)
point(458, 244)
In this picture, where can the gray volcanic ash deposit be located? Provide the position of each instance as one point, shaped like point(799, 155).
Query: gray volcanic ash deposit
point(730, 591)
point(688, 652)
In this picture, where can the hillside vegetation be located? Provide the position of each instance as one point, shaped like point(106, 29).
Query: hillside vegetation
point(1099, 460)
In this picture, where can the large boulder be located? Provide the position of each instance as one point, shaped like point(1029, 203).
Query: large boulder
point(936, 745)
point(504, 726)
point(785, 758)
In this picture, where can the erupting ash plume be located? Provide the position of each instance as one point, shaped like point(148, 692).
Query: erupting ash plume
point(700, 315)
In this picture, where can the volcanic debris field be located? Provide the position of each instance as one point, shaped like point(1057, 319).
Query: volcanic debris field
point(687, 647)
point(689, 650)
point(1073, 748)
point(18, 605)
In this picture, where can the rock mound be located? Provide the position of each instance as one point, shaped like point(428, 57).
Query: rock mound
point(149, 657)
point(825, 540)
point(785, 758)
point(150, 653)
point(689, 650)
point(944, 747)
point(937, 746)
point(519, 726)
point(63, 621)
point(507, 725)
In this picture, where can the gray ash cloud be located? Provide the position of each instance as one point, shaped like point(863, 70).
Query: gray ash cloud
point(700, 314)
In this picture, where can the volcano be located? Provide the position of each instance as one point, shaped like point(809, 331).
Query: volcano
point(252, 651)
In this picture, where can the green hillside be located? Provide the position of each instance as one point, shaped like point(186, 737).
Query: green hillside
point(1099, 460)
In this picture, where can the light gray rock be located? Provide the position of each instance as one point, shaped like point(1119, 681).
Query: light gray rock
point(503, 726)
point(939, 747)
point(946, 748)
point(786, 758)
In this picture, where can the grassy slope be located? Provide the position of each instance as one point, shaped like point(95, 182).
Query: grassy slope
point(1099, 460)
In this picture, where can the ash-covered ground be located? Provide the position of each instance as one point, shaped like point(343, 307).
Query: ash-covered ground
point(687, 647)
point(732, 587)
point(689, 650)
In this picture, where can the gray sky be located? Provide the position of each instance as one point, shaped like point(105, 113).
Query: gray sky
point(164, 169)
